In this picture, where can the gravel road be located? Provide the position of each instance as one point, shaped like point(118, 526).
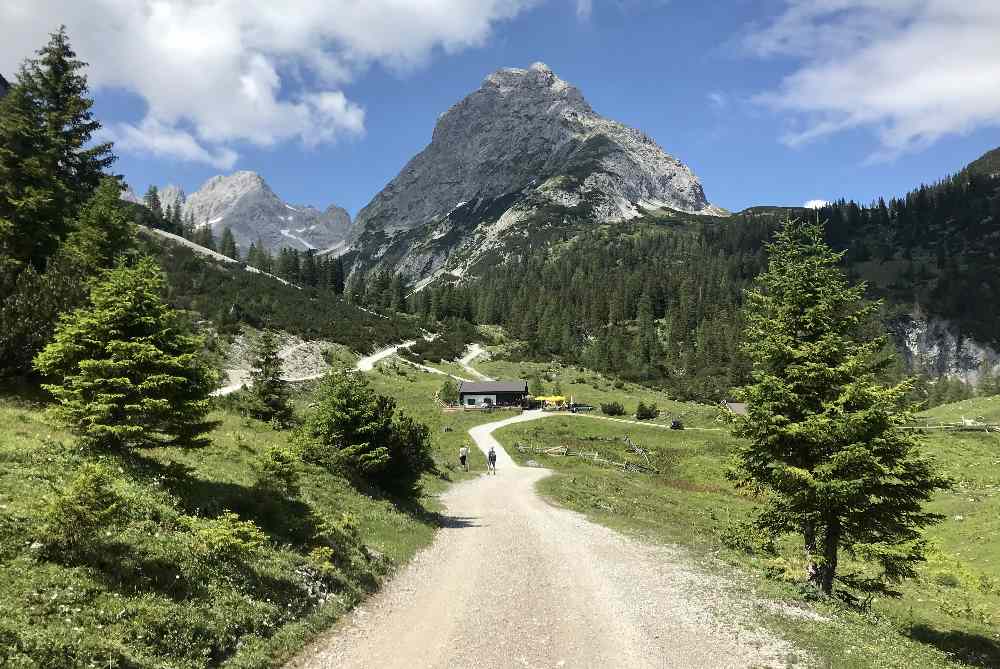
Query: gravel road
point(512, 581)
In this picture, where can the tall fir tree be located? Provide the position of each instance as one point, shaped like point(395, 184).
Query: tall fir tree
point(176, 220)
point(152, 200)
point(822, 433)
point(49, 166)
point(127, 372)
point(227, 245)
point(267, 394)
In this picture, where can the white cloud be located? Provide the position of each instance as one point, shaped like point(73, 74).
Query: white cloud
point(815, 204)
point(718, 100)
point(584, 8)
point(216, 73)
point(912, 71)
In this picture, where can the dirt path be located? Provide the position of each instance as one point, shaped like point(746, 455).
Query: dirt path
point(512, 581)
point(367, 363)
point(473, 352)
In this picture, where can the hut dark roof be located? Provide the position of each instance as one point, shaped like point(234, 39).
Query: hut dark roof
point(487, 387)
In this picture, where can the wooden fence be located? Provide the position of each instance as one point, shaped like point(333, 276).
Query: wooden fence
point(595, 457)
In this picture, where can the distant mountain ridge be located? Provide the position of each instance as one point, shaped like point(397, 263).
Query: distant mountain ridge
point(244, 203)
point(526, 146)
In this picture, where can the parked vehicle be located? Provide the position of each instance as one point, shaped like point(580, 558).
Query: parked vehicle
point(676, 425)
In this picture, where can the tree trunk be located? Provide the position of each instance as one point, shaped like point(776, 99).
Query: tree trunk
point(809, 539)
point(831, 545)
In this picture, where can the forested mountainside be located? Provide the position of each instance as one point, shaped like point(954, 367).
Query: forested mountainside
point(658, 298)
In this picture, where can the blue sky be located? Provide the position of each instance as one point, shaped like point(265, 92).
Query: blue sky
point(768, 101)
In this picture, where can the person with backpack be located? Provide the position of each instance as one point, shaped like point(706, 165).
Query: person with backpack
point(491, 459)
point(463, 457)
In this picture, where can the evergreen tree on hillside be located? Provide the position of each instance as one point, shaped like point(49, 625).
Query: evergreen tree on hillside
point(188, 231)
point(309, 271)
point(176, 220)
point(227, 246)
point(356, 430)
point(30, 309)
point(823, 435)
point(338, 276)
point(48, 165)
point(126, 370)
point(152, 200)
point(204, 236)
point(103, 231)
point(267, 394)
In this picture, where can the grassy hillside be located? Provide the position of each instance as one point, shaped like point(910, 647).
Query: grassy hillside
point(983, 409)
point(180, 580)
point(230, 297)
point(948, 617)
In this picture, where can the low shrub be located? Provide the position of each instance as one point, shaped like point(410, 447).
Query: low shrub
point(86, 507)
point(613, 409)
point(748, 538)
point(646, 411)
point(278, 472)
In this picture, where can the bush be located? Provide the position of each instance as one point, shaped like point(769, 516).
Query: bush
point(278, 472)
point(85, 508)
point(613, 409)
point(360, 432)
point(646, 411)
point(448, 392)
point(228, 539)
point(748, 538)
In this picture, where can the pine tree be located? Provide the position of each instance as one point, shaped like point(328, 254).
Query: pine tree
point(309, 270)
point(267, 395)
point(168, 216)
point(103, 231)
point(822, 433)
point(227, 246)
point(127, 371)
point(48, 166)
point(189, 227)
point(152, 200)
point(338, 276)
point(176, 220)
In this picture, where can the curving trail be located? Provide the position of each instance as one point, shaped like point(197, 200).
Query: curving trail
point(367, 363)
point(473, 352)
point(511, 581)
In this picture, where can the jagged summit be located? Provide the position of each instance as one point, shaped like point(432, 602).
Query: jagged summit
point(525, 144)
point(529, 129)
point(244, 203)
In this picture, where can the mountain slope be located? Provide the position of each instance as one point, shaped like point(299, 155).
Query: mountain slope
point(523, 149)
point(244, 203)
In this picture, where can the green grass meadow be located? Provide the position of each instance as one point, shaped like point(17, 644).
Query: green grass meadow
point(172, 584)
point(949, 617)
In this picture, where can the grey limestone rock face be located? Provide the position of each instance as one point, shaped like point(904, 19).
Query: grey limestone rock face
point(245, 203)
point(529, 129)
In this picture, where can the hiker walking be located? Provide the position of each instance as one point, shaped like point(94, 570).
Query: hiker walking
point(463, 457)
point(491, 459)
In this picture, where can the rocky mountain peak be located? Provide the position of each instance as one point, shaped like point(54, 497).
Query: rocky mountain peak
point(523, 139)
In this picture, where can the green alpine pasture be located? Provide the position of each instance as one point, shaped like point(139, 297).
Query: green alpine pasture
point(949, 616)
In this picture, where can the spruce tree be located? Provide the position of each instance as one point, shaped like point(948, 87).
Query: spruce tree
point(822, 434)
point(152, 200)
point(48, 165)
point(227, 246)
point(338, 276)
point(126, 370)
point(267, 395)
point(176, 220)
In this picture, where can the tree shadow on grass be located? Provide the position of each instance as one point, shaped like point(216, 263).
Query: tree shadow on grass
point(972, 649)
point(286, 521)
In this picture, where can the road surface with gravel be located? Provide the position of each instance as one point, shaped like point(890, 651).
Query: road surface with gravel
point(511, 581)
